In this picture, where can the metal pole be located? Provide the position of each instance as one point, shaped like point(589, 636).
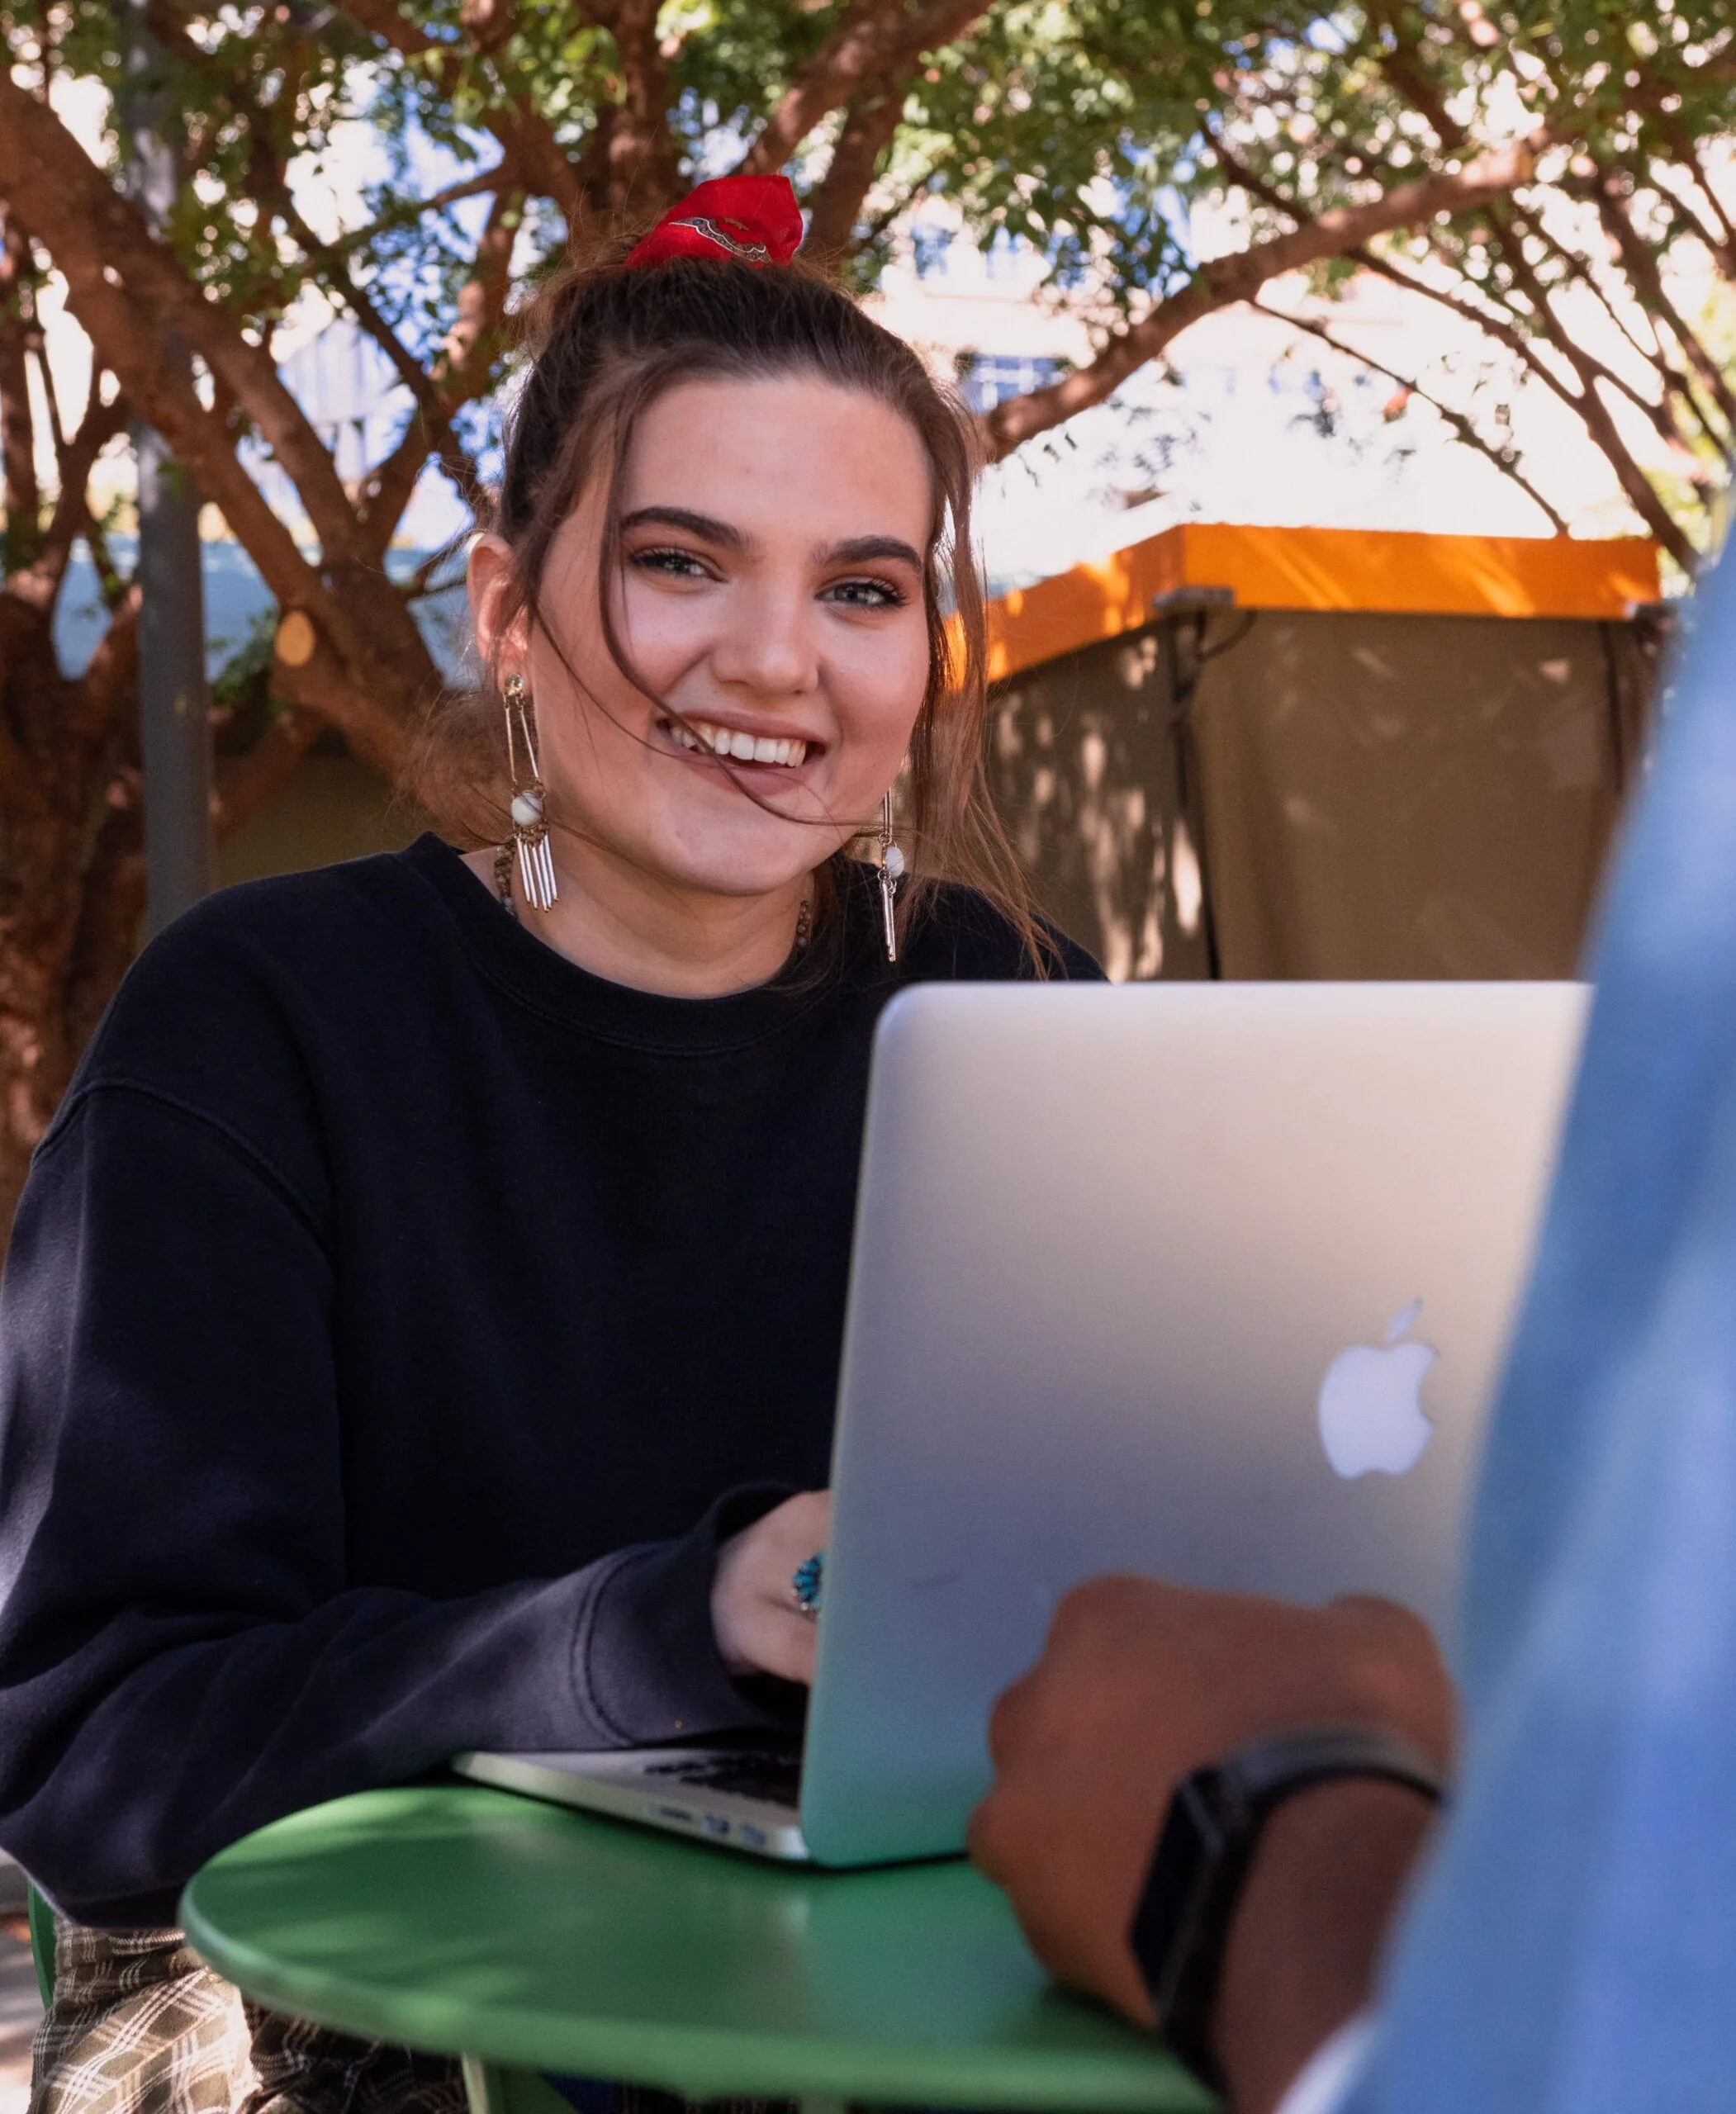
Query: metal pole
point(174, 703)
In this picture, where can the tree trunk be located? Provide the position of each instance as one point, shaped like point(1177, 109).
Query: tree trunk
point(72, 849)
point(72, 871)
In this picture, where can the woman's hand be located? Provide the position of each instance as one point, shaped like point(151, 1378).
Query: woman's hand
point(754, 1616)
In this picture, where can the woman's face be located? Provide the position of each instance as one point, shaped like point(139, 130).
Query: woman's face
point(770, 592)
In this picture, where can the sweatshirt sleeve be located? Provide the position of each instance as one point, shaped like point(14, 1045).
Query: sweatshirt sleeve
point(183, 1657)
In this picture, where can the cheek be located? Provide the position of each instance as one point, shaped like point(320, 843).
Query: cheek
point(879, 689)
point(662, 635)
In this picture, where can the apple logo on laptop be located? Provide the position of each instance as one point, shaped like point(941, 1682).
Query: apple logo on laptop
point(1371, 1412)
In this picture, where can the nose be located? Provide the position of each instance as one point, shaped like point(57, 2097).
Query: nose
point(767, 647)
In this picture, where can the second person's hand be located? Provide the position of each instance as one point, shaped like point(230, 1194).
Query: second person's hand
point(1142, 1682)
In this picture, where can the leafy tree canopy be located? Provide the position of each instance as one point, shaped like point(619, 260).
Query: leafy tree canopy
point(1554, 173)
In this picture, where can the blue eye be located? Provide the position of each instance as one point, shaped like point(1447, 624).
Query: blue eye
point(677, 564)
point(867, 594)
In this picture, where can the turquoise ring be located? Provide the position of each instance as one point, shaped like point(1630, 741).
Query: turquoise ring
point(807, 1582)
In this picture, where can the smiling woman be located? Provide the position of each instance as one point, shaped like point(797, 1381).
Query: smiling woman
point(763, 646)
point(421, 1326)
point(733, 502)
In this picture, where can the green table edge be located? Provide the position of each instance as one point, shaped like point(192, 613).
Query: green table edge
point(696, 2062)
point(41, 1921)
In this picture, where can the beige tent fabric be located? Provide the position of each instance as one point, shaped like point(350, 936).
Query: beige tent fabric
point(1347, 794)
point(1084, 762)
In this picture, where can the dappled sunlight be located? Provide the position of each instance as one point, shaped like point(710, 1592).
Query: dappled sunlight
point(1326, 793)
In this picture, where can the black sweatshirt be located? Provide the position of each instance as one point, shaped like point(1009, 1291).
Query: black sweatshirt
point(396, 1319)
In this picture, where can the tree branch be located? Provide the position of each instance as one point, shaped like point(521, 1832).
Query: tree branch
point(123, 287)
point(488, 23)
point(40, 581)
point(490, 182)
point(871, 119)
point(630, 166)
point(433, 412)
point(51, 394)
point(877, 39)
point(1506, 334)
point(78, 215)
point(1401, 63)
point(269, 189)
point(109, 709)
point(1580, 271)
point(1723, 245)
point(23, 496)
point(466, 363)
point(889, 213)
point(1503, 331)
point(1586, 405)
point(1589, 404)
point(526, 137)
point(111, 896)
point(1226, 280)
point(1657, 415)
point(1506, 459)
point(111, 903)
point(1642, 268)
point(1590, 371)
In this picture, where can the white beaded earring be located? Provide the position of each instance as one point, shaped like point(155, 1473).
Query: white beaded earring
point(529, 831)
point(891, 873)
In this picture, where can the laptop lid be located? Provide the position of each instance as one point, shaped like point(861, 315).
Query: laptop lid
point(1208, 1282)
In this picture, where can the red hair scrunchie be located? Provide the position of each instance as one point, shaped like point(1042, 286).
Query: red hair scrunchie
point(751, 219)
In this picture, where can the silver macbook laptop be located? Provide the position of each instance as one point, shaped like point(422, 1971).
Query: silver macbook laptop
point(1207, 1281)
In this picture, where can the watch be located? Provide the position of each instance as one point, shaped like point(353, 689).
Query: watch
point(1181, 1924)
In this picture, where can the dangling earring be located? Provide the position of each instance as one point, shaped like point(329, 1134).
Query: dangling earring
point(892, 872)
point(529, 831)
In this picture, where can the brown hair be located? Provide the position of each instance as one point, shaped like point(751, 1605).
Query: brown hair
point(605, 342)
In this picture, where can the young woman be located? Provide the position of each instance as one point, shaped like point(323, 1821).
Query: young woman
point(421, 1326)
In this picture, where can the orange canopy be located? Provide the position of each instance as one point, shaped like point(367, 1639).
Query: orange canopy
point(1322, 569)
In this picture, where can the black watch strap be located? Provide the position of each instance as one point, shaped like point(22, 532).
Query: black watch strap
point(1181, 1924)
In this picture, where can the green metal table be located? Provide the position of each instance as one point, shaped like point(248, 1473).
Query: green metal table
point(526, 1938)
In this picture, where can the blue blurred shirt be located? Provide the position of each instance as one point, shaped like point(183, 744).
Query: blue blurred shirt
point(1573, 1945)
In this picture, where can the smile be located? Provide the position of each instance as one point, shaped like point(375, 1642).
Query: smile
point(735, 743)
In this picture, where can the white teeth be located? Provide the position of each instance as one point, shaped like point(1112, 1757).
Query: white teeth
point(745, 748)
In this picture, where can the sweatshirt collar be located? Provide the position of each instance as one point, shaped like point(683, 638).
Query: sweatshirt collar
point(526, 969)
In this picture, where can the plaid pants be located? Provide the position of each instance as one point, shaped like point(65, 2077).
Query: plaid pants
point(141, 2024)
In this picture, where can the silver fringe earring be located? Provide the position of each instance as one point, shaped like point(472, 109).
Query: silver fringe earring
point(529, 831)
point(891, 872)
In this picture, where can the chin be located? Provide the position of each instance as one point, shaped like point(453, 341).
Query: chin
point(743, 876)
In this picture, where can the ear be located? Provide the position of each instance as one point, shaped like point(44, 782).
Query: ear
point(488, 575)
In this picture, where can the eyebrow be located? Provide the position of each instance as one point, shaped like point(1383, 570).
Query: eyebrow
point(696, 524)
point(858, 550)
point(862, 550)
